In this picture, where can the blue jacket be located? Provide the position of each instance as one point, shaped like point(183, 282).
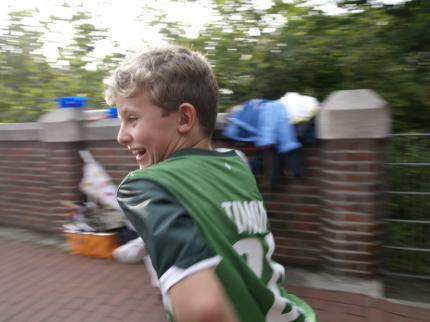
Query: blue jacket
point(263, 122)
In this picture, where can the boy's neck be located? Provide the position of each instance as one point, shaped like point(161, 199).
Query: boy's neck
point(204, 143)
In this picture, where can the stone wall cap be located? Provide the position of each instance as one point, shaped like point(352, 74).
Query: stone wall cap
point(61, 125)
point(105, 129)
point(354, 114)
point(61, 115)
point(102, 123)
point(19, 126)
point(19, 131)
point(354, 100)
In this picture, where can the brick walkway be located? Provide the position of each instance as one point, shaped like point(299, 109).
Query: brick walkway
point(41, 283)
point(46, 284)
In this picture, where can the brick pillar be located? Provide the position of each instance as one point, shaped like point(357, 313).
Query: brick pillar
point(352, 126)
point(63, 134)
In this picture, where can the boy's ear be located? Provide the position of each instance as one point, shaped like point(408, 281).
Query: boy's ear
point(187, 117)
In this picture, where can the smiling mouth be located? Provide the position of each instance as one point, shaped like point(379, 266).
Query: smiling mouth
point(139, 153)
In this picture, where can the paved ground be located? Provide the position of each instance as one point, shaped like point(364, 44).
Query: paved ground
point(46, 284)
point(41, 282)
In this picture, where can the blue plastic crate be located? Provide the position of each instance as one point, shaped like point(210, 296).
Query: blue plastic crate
point(72, 101)
point(112, 112)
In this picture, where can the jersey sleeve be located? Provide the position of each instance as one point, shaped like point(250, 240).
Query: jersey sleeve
point(174, 242)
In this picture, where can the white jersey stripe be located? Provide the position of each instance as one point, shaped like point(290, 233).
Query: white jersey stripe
point(175, 274)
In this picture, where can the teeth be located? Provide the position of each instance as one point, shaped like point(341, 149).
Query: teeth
point(136, 152)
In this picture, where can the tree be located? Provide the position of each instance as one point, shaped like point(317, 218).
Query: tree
point(258, 52)
point(77, 77)
point(30, 85)
point(289, 47)
point(24, 72)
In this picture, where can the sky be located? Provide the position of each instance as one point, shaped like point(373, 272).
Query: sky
point(127, 21)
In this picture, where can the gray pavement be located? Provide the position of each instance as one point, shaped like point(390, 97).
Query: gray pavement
point(41, 282)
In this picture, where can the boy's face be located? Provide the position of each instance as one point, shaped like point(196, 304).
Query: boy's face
point(148, 135)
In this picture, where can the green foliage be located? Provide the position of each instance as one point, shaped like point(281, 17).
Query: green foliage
point(77, 78)
point(265, 53)
point(23, 70)
point(407, 176)
point(256, 53)
point(30, 85)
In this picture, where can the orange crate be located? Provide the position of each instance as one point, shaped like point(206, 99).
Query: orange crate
point(92, 244)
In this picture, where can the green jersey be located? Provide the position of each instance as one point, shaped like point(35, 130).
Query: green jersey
point(202, 209)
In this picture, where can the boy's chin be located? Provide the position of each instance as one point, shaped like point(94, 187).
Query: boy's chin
point(148, 163)
point(144, 165)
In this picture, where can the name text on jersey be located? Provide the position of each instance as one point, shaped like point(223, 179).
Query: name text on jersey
point(249, 216)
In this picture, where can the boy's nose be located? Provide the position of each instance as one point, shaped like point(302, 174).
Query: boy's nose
point(123, 137)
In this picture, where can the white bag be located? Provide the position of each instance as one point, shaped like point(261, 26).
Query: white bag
point(96, 183)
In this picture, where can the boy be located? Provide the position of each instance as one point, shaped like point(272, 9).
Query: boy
point(199, 211)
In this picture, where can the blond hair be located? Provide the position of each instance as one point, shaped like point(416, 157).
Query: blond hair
point(169, 76)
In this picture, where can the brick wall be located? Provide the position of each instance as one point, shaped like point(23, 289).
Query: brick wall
point(23, 185)
point(294, 209)
point(330, 217)
point(293, 206)
point(352, 212)
point(35, 176)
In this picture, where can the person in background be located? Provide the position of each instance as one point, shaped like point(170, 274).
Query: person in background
point(198, 210)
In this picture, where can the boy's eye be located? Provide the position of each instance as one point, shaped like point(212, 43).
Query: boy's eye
point(131, 118)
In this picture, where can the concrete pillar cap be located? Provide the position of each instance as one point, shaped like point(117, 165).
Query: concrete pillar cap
point(62, 125)
point(352, 114)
